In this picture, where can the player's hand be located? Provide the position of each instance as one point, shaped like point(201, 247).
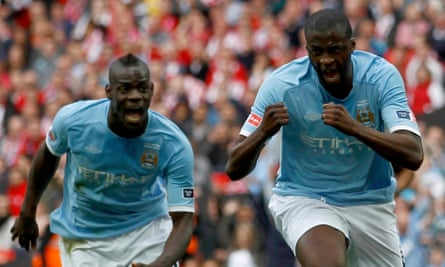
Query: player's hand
point(275, 116)
point(337, 116)
point(26, 230)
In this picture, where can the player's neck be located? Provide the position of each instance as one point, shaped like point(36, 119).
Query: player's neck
point(340, 91)
point(119, 129)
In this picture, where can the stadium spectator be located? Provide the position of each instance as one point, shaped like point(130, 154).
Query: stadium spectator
point(436, 36)
point(427, 95)
point(423, 55)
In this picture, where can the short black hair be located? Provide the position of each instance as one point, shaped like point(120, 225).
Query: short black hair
point(328, 20)
point(129, 60)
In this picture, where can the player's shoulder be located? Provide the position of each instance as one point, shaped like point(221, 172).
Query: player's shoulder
point(83, 106)
point(366, 59)
point(295, 68)
point(165, 126)
point(369, 66)
point(290, 74)
point(161, 120)
point(82, 110)
point(174, 140)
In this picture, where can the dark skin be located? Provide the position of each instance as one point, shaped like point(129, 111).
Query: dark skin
point(329, 53)
point(404, 178)
point(130, 93)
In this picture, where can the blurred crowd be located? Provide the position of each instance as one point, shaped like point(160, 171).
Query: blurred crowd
point(207, 59)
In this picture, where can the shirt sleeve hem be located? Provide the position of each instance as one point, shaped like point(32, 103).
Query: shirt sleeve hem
point(52, 150)
point(181, 209)
point(406, 128)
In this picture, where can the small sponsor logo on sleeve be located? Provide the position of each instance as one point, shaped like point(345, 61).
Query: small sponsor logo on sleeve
point(404, 114)
point(187, 193)
point(254, 120)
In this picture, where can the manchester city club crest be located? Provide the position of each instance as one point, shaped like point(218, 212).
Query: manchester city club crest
point(364, 114)
point(149, 159)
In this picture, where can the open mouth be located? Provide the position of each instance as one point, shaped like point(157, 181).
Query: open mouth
point(331, 76)
point(134, 114)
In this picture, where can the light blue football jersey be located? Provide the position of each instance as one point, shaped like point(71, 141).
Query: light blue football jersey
point(318, 160)
point(113, 185)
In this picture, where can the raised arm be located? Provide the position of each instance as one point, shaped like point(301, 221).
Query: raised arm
point(244, 154)
point(42, 170)
point(402, 148)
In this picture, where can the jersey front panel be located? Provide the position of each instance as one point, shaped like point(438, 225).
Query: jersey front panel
point(117, 184)
point(318, 160)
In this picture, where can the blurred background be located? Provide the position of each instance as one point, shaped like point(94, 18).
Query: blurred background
point(207, 60)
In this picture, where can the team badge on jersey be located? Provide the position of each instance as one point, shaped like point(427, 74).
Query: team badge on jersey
point(254, 120)
point(364, 114)
point(149, 159)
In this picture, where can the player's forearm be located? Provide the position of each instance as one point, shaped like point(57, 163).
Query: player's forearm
point(243, 156)
point(404, 179)
point(177, 241)
point(42, 170)
point(401, 148)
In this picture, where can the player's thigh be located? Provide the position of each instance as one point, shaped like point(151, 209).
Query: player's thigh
point(150, 243)
point(76, 253)
point(374, 236)
point(142, 245)
point(322, 245)
point(294, 216)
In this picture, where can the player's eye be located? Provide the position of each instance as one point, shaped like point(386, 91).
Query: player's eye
point(143, 89)
point(123, 89)
point(316, 51)
point(334, 49)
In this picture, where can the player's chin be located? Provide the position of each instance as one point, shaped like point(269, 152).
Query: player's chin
point(332, 78)
point(134, 118)
point(133, 125)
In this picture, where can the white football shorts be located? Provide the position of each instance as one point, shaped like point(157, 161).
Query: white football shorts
point(143, 245)
point(370, 229)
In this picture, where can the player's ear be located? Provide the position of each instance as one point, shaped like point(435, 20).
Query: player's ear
point(108, 91)
point(353, 43)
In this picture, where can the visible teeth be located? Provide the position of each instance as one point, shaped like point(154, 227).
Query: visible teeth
point(133, 117)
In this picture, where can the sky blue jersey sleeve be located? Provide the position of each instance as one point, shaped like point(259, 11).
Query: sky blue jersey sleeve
point(267, 95)
point(179, 180)
point(56, 137)
point(396, 112)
